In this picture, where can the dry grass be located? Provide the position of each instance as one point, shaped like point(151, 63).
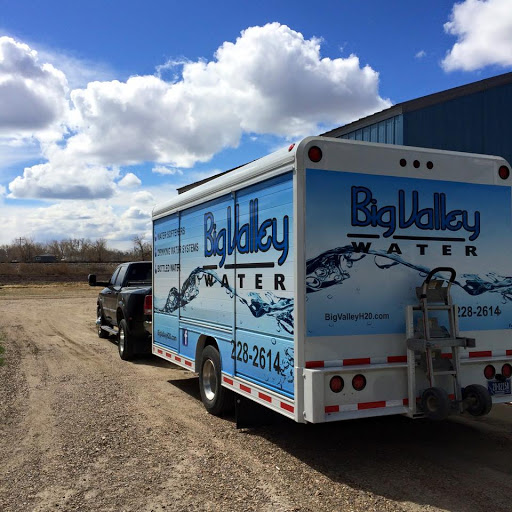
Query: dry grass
point(45, 289)
point(22, 273)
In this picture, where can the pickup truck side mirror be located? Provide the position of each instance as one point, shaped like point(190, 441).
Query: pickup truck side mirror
point(91, 278)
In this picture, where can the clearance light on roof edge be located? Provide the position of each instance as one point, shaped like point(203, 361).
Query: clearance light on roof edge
point(504, 172)
point(315, 154)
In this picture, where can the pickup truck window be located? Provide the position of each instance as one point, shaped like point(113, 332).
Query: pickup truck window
point(120, 276)
point(114, 275)
point(139, 274)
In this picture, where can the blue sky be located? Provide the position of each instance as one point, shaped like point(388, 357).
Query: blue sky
point(107, 107)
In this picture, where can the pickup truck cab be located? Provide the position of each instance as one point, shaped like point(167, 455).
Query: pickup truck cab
point(120, 307)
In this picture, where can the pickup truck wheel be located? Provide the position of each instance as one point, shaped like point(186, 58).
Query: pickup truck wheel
point(99, 322)
point(216, 399)
point(125, 342)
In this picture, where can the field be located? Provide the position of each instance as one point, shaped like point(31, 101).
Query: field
point(25, 273)
point(82, 430)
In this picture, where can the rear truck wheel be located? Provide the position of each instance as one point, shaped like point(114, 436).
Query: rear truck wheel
point(477, 400)
point(125, 342)
point(436, 403)
point(216, 399)
point(99, 322)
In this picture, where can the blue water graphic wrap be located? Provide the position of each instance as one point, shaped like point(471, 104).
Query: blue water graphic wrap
point(328, 269)
point(332, 268)
point(280, 308)
point(378, 236)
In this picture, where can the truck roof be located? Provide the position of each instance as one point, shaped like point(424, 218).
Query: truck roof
point(228, 181)
point(275, 163)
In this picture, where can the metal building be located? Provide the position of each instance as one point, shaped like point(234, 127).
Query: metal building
point(475, 118)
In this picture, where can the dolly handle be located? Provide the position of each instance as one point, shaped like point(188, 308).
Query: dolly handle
point(436, 270)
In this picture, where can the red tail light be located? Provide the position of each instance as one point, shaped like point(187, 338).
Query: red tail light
point(489, 372)
point(506, 371)
point(336, 384)
point(148, 304)
point(359, 382)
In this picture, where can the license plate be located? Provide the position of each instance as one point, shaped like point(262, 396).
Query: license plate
point(499, 388)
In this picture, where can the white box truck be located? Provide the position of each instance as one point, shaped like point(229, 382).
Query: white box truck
point(340, 279)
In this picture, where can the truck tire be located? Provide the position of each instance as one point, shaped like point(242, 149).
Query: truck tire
point(216, 399)
point(478, 400)
point(125, 342)
point(101, 332)
point(435, 403)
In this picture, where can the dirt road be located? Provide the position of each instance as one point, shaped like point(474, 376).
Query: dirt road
point(82, 430)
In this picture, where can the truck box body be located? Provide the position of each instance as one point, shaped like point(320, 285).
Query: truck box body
point(300, 271)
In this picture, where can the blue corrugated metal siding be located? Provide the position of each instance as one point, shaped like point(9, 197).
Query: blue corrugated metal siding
point(478, 123)
point(389, 131)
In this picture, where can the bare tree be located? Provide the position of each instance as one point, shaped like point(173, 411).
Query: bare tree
point(54, 247)
point(100, 249)
point(4, 253)
point(141, 249)
point(25, 249)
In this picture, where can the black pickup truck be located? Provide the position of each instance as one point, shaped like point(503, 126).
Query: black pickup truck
point(122, 307)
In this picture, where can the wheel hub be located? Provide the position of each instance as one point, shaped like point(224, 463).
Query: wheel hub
point(209, 379)
point(121, 340)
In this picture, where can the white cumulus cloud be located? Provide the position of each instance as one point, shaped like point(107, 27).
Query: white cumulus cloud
point(143, 197)
point(484, 35)
point(33, 95)
point(64, 181)
point(169, 171)
point(271, 80)
point(130, 181)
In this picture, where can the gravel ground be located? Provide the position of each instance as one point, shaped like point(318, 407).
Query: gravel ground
point(82, 430)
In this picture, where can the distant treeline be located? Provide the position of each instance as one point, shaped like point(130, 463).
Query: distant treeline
point(84, 250)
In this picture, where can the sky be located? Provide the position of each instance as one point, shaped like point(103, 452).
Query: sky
point(106, 107)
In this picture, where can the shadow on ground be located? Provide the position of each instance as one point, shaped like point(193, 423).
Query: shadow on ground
point(440, 464)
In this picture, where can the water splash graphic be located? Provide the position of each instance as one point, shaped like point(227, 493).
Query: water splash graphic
point(332, 267)
point(279, 308)
point(286, 367)
point(328, 269)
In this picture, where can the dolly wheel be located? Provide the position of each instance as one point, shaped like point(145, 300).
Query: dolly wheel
point(477, 399)
point(435, 403)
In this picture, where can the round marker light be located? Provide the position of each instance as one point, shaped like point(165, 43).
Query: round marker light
point(416, 164)
point(430, 165)
point(504, 172)
point(506, 371)
point(403, 162)
point(359, 382)
point(489, 372)
point(336, 384)
point(315, 154)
